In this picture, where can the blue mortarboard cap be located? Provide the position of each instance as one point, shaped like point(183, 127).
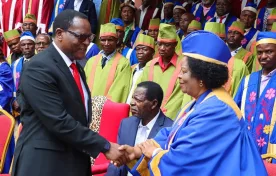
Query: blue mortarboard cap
point(250, 7)
point(169, 2)
point(194, 45)
point(265, 38)
point(27, 35)
point(118, 23)
point(178, 5)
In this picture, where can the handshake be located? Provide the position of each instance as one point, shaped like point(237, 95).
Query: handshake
point(121, 155)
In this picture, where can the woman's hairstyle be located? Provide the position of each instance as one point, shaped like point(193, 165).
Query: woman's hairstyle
point(212, 75)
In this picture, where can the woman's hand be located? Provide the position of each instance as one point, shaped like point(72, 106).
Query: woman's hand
point(147, 148)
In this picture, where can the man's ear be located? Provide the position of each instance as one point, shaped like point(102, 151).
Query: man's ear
point(154, 104)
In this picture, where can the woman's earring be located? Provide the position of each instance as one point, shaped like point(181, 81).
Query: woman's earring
point(200, 83)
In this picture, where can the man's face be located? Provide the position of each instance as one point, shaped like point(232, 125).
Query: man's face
point(177, 13)
point(41, 42)
point(153, 33)
point(144, 53)
point(166, 49)
point(120, 34)
point(108, 44)
point(29, 26)
point(127, 14)
point(269, 24)
point(248, 18)
point(28, 48)
point(266, 54)
point(222, 7)
point(14, 45)
point(168, 11)
point(234, 38)
point(76, 39)
point(140, 106)
point(185, 20)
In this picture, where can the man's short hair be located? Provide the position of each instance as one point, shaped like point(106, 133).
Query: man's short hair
point(46, 35)
point(65, 19)
point(154, 91)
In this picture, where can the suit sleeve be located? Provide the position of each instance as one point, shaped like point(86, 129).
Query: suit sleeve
point(93, 17)
point(38, 79)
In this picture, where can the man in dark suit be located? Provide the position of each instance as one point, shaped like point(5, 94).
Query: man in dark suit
point(146, 122)
point(86, 7)
point(56, 107)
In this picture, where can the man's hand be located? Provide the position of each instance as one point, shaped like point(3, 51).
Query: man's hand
point(147, 148)
point(115, 154)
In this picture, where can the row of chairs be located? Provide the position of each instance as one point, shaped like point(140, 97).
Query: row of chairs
point(111, 116)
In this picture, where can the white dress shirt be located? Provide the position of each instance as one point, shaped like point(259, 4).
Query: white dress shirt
point(223, 20)
point(143, 132)
point(68, 62)
point(77, 4)
point(137, 73)
point(233, 53)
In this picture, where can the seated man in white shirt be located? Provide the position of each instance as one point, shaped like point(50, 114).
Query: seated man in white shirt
point(146, 122)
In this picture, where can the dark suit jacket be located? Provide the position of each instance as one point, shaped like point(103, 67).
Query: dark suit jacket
point(55, 139)
point(88, 8)
point(127, 135)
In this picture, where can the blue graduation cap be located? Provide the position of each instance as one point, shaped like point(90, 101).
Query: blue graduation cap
point(118, 23)
point(27, 35)
point(265, 38)
point(178, 5)
point(194, 45)
point(250, 7)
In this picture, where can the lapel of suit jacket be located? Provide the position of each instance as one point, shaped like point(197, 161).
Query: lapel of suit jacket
point(131, 134)
point(83, 77)
point(66, 71)
point(83, 6)
point(158, 124)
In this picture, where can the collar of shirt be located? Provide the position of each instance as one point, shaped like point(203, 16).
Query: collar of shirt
point(143, 9)
point(77, 4)
point(109, 56)
point(173, 62)
point(127, 29)
point(26, 60)
point(66, 59)
point(247, 30)
point(233, 53)
point(224, 17)
point(151, 123)
point(206, 9)
point(269, 75)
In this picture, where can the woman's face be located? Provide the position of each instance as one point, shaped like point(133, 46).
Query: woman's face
point(188, 84)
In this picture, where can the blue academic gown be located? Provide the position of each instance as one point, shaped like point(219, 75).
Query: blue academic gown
point(260, 19)
point(6, 94)
point(209, 137)
point(228, 22)
point(259, 110)
point(197, 10)
point(249, 38)
point(131, 55)
point(92, 50)
point(58, 7)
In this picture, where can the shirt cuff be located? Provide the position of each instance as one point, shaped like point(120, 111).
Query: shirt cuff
point(155, 151)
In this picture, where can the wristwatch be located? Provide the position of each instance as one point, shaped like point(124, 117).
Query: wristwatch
point(106, 147)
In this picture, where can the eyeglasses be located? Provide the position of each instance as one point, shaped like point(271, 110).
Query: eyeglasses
point(82, 37)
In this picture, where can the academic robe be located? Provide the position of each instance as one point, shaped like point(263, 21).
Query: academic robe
point(197, 10)
point(151, 13)
point(42, 9)
point(92, 50)
point(209, 137)
point(6, 94)
point(16, 68)
point(130, 54)
point(169, 83)
point(6, 86)
point(111, 81)
point(130, 38)
point(237, 70)
point(11, 18)
point(249, 38)
point(228, 22)
point(13, 57)
point(58, 7)
point(247, 57)
point(259, 111)
point(261, 20)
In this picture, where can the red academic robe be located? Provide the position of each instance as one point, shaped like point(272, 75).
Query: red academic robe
point(11, 11)
point(42, 9)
